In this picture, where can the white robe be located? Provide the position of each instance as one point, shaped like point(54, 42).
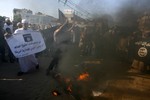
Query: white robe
point(26, 63)
point(8, 26)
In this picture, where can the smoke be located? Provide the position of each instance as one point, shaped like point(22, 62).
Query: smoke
point(123, 12)
point(120, 10)
point(130, 12)
point(100, 7)
point(112, 7)
point(70, 62)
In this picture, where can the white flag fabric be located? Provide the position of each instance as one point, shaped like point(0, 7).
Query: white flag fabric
point(24, 44)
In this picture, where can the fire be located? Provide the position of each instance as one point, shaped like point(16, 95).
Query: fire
point(83, 76)
point(55, 93)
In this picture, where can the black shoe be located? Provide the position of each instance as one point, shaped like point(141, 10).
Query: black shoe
point(20, 73)
point(37, 66)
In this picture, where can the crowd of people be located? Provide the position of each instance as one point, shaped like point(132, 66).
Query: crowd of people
point(97, 40)
point(26, 63)
point(5, 28)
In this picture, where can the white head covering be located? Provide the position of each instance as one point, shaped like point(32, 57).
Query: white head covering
point(24, 21)
point(7, 19)
point(18, 23)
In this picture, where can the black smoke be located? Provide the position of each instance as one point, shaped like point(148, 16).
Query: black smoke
point(124, 12)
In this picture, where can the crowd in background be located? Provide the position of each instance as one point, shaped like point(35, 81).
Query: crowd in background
point(97, 40)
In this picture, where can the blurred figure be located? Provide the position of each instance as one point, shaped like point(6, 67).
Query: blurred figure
point(141, 60)
point(61, 41)
point(8, 28)
point(2, 43)
point(8, 34)
point(29, 62)
point(19, 25)
point(48, 26)
point(8, 24)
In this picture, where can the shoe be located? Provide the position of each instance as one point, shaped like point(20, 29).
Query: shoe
point(20, 73)
point(37, 66)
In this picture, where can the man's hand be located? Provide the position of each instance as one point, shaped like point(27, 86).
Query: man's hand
point(6, 35)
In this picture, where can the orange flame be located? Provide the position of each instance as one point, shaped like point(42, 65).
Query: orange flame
point(83, 76)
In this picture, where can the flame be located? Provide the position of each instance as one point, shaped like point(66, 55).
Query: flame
point(83, 76)
point(55, 93)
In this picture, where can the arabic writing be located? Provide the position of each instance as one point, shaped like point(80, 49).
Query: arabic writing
point(27, 44)
point(20, 47)
point(24, 50)
point(142, 43)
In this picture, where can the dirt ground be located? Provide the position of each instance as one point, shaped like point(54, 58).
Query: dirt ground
point(108, 78)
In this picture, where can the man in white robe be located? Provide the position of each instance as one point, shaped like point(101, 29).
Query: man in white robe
point(29, 62)
point(8, 24)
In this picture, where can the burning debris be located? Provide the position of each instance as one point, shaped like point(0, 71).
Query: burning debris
point(73, 86)
point(80, 84)
point(56, 93)
point(83, 77)
point(96, 93)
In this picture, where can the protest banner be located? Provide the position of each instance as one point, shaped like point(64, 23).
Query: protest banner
point(24, 44)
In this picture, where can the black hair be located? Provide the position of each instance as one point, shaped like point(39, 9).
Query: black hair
point(8, 30)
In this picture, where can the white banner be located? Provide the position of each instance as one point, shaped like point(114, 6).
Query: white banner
point(24, 44)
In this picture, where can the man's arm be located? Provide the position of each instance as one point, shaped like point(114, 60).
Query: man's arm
point(56, 31)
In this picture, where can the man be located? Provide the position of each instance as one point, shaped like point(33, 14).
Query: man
point(2, 43)
point(8, 24)
point(141, 60)
point(10, 54)
point(28, 62)
point(61, 42)
point(19, 25)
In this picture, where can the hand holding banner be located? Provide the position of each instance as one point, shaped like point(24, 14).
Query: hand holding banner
point(25, 44)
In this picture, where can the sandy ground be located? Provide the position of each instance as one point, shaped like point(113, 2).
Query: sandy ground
point(108, 78)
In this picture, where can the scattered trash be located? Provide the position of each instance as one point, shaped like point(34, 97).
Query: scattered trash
point(97, 93)
point(56, 93)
